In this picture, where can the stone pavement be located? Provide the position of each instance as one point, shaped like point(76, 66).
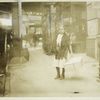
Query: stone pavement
point(36, 78)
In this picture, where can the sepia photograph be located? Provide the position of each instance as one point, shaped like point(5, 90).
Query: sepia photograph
point(49, 48)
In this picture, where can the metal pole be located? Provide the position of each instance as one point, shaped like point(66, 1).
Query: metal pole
point(20, 16)
point(20, 24)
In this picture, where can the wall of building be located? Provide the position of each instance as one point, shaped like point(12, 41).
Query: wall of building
point(93, 15)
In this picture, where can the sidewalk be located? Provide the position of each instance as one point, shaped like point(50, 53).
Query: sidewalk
point(36, 78)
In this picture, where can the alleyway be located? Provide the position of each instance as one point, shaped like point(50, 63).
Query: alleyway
point(36, 78)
